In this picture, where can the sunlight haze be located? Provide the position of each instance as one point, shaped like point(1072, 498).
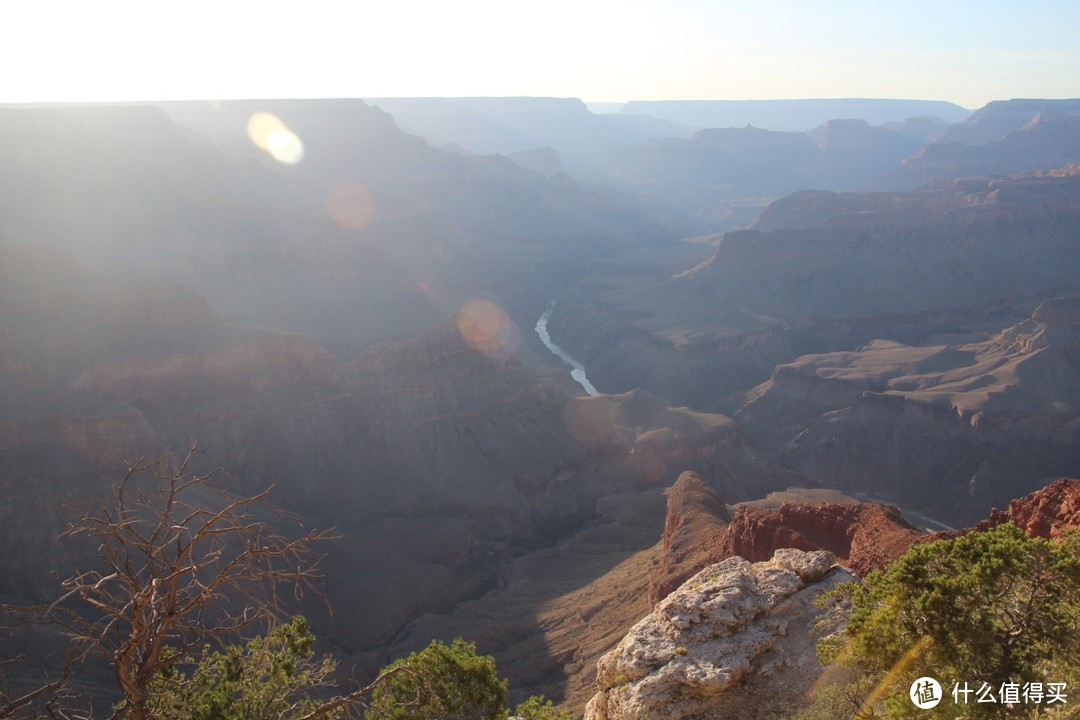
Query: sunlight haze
point(963, 52)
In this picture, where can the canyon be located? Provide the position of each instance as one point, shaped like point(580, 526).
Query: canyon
point(776, 323)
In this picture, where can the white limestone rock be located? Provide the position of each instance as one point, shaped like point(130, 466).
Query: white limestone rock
point(703, 639)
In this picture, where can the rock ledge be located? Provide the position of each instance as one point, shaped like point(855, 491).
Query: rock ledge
point(726, 622)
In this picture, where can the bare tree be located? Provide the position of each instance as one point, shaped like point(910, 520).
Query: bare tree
point(49, 699)
point(186, 563)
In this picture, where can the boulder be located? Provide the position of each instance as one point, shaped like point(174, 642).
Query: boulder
point(707, 644)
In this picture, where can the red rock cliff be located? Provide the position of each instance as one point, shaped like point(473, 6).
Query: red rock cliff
point(863, 536)
point(1045, 513)
point(700, 530)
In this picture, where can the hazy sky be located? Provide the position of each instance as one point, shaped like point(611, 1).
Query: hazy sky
point(966, 51)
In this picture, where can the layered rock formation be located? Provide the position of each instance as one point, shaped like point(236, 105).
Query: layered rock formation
point(1047, 513)
point(695, 524)
point(863, 536)
point(700, 530)
point(476, 494)
point(732, 621)
point(990, 420)
point(831, 272)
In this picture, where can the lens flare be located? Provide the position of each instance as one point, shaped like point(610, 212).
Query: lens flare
point(650, 465)
point(589, 419)
point(486, 327)
point(351, 205)
point(270, 134)
point(426, 289)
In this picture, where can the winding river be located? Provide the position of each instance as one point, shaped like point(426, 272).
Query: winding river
point(577, 370)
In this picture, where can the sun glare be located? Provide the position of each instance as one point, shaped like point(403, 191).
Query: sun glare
point(269, 133)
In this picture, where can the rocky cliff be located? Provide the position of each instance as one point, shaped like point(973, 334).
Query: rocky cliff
point(695, 524)
point(1047, 513)
point(738, 633)
point(991, 420)
point(714, 645)
point(700, 530)
point(862, 536)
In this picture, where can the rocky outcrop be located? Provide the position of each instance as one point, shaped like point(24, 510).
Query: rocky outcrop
point(701, 530)
point(1047, 513)
point(696, 523)
point(733, 619)
point(862, 536)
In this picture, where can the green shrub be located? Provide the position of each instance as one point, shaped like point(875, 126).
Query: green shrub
point(988, 607)
point(447, 682)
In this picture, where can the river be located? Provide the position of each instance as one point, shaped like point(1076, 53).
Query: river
point(577, 370)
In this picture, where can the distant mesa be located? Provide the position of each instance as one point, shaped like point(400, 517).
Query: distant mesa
point(924, 129)
point(792, 115)
point(1001, 117)
point(722, 177)
point(507, 125)
point(545, 160)
point(1048, 139)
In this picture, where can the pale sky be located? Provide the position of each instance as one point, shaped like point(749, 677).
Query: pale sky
point(965, 51)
